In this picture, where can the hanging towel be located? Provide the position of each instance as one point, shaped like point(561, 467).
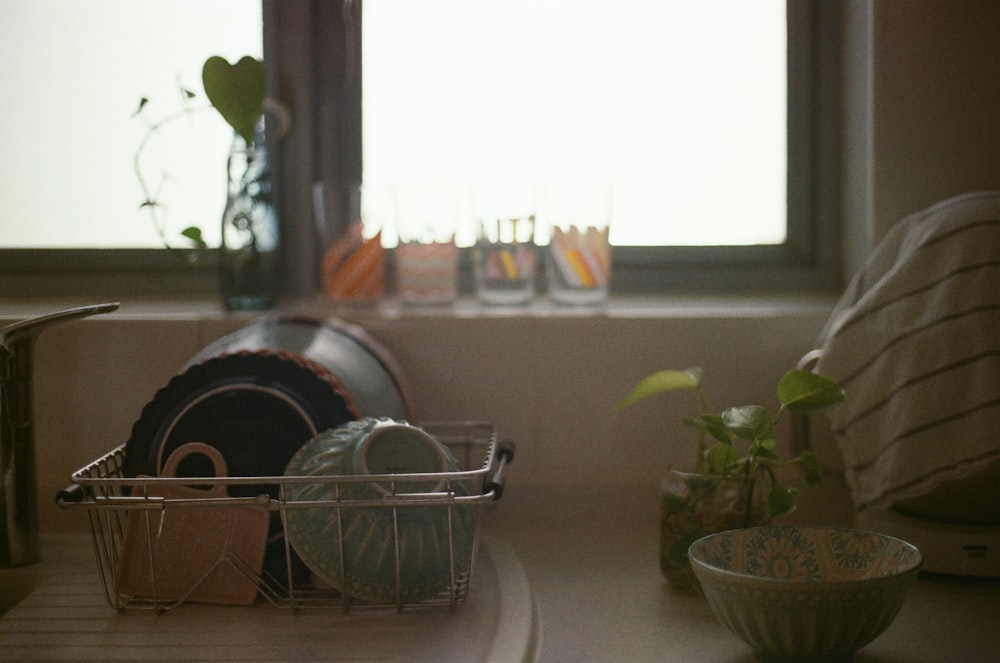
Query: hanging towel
point(915, 341)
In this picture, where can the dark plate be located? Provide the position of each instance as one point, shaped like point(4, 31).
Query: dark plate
point(256, 408)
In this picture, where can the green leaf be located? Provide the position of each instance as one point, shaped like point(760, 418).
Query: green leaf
point(142, 104)
point(720, 456)
point(711, 424)
point(765, 452)
point(717, 428)
point(659, 382)
point(237, 91)
point(814, 469)
point(193, 233)
point(780, 501)
point(807, 393)
point(748, 422)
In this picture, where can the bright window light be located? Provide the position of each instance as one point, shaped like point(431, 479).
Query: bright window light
point(680, 105)
point(73, 75)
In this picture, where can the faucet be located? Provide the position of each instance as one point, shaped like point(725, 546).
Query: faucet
point(19, 544)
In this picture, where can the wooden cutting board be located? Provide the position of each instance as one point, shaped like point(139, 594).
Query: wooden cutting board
point(209, 553)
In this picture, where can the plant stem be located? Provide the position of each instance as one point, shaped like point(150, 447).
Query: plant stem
point(150, 202)
point(699, 463)
point(748, 509)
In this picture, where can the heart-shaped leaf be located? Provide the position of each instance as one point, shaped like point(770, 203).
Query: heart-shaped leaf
point(237, 91)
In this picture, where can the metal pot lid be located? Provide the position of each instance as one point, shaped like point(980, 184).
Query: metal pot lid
point(365, 368)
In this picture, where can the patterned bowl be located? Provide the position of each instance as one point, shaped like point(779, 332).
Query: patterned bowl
point(802, 592)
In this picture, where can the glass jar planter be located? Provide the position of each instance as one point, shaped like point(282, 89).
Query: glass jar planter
point(695, 505)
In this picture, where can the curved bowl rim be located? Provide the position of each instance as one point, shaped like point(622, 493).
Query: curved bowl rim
point(387, 425)
point(764, 581)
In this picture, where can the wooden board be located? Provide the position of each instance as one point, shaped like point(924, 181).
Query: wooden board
point(205, 553)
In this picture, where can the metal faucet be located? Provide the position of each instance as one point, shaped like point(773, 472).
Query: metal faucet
point(19, 543)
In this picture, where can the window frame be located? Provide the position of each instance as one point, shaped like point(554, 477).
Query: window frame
point(313, 58)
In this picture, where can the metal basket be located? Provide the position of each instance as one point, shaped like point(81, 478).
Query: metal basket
point(110, 498)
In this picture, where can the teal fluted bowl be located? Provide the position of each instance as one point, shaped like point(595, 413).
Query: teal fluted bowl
point(353, 548)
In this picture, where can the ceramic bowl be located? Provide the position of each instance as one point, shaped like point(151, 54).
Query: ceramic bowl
point(804, 592)
point(354, 548)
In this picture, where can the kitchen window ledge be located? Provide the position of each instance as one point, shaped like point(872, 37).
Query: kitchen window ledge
point(625, 307)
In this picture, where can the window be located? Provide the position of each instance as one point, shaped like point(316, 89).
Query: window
point(681, 106)
point(312, 49)
point(69, 132)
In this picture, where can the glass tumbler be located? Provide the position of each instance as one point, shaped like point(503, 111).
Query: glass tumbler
point(426, 255)
point(505, 260)
point(579, 255)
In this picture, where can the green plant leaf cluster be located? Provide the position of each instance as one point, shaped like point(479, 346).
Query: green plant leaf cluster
point(799, 391)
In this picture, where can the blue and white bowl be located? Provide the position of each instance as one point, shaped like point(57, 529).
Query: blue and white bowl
point(804, 592)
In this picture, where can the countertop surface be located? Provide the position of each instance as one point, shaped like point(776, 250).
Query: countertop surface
point(66, 617)
point(583, 554)
point(591, 554)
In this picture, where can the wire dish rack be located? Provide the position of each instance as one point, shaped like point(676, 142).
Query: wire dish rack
point(127, 516)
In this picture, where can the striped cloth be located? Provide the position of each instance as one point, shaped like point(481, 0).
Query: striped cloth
point(915, 341)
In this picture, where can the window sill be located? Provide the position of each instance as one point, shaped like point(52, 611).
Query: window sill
point(706, 306)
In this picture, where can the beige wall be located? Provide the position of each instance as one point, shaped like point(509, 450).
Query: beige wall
point(923, 100)
point(547, 378)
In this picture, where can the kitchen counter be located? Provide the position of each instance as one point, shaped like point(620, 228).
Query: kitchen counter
point(590, 552)
point(583, 553)
point(65, 617)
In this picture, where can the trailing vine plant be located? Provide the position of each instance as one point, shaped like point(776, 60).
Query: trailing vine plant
point(151, 191)
point(237, 92)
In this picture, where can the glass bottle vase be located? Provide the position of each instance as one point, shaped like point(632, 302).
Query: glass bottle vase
point(248, 258)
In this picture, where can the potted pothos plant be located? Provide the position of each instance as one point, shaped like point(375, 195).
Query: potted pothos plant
point(738, 478)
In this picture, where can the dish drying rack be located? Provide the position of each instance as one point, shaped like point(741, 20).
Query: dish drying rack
point(110, 499)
